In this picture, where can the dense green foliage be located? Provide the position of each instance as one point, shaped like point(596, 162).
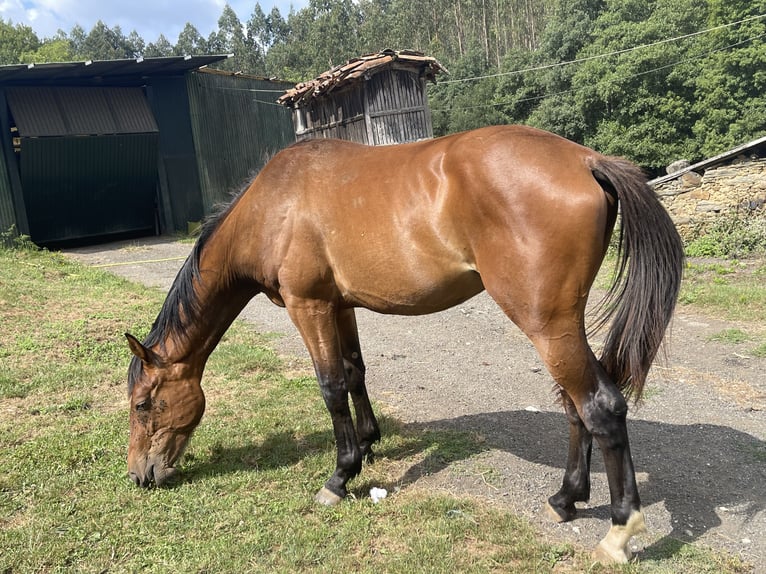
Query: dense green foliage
point(653, 80)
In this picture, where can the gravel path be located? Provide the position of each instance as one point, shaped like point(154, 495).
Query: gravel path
point(698, 440)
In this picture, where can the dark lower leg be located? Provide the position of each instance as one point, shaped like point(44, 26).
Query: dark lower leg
point(366, 424)
point(367, 429)
point(576, 483)
point(627, 518)
point(620, 474)
point(349, 455)
point(606, 412)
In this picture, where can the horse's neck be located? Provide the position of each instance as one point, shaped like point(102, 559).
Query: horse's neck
point(221, 296)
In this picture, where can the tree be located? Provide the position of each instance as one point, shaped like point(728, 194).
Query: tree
point(55, 50)
point(230, 39)
point(569, 30)
point(77, 38)
point(323, 34)
point(261, 34)
point(190, 42)
point(459, 106)
point(134, 45)
point(636, 102)
point(730, 80)
point(16, 40)
point(160, 48)
point(334, 32)
point(104, 43)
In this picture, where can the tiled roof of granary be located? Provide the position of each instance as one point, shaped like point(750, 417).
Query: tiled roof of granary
point(358, 69)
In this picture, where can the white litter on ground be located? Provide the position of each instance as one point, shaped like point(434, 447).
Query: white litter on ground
point(378, 494)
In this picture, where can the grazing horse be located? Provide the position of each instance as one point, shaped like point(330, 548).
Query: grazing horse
point(328, 226)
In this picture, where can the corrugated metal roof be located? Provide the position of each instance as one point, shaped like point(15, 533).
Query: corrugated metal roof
point(66, 111)
point(359, 69)
point(36, 111)
point(115, 72)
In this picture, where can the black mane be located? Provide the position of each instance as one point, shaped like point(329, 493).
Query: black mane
point(171, 321)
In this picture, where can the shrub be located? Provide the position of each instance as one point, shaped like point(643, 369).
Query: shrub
point(732, 236)
point(11, 239)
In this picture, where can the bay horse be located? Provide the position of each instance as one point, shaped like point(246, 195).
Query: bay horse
point(328, 226)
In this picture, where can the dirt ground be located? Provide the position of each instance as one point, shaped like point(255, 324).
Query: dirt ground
point(698, 440)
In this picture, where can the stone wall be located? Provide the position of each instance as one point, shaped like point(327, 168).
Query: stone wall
point(695, 200)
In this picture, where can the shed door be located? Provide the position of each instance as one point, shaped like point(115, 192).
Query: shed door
point(87, 160)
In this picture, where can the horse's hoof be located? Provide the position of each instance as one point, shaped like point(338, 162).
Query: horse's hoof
point(327, 497)
point(610, 555)
point(614, 547)
point(558, 514)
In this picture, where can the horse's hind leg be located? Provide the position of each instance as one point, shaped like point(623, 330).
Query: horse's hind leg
point(576, 484)
point(602, 410)
point(367, 429)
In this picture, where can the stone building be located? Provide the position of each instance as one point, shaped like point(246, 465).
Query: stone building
point(732, 182)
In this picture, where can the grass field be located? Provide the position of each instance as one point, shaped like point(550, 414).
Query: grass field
point(245, 502)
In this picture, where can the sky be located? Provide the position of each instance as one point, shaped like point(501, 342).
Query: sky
point(149, 18)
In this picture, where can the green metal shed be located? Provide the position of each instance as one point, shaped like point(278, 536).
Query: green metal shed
point(237, 126)
point(87, 159)
point(95, 150)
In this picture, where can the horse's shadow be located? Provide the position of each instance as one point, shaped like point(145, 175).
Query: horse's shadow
point(692, 469)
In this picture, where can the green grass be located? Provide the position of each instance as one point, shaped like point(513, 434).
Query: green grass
point(731, 336)
point(245, 500)
point(730, 290)
point(734, 291)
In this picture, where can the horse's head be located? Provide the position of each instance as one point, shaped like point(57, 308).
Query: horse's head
point(166, 405)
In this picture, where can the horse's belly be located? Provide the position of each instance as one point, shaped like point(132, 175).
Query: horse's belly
point(417, 293)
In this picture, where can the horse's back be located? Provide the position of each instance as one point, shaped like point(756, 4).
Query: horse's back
point(413, 228)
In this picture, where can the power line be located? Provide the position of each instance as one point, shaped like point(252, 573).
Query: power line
point(562, 92)
point(615, 53)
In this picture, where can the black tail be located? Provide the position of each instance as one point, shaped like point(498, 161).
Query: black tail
point(650, 265)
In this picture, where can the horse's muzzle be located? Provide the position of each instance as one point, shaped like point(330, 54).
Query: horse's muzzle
point(152, 475)
point(142, 480)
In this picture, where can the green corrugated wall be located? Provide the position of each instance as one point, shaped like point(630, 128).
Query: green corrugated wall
point(81, 187)
point(7, 213)
point(237, 127)
point(8, 203)
point(179, 180)
point(215, 131)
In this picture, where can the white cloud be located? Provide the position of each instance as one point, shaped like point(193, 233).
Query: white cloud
point(149, 18)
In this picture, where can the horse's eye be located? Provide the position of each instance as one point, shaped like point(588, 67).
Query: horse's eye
point(143, 405)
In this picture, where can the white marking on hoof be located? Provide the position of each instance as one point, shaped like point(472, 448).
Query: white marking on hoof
point(614, 546)
point(327, 497)
point(552, 514)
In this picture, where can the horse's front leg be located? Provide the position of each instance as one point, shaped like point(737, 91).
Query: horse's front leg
point(576, 483)
point(316, 321)
point(367, 428)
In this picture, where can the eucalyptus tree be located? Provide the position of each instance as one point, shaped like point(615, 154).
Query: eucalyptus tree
point(729, 83)
point(190, 42)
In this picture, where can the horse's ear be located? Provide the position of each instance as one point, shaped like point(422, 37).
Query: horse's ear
point(146, 355)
